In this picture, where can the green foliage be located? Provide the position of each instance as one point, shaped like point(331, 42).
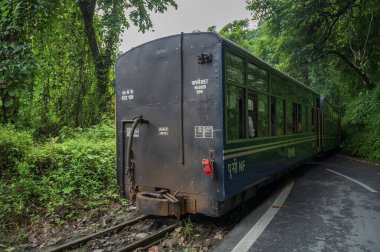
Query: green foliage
point(57, 57)
point(65, 90)
point(239, 32)
point(187, 228)
point(13, 147)
point(17, 20)
point(305, 32)
point(58, 178)
point(361, 123)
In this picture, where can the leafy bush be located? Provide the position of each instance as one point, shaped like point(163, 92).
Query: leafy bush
point(13, 147)
point(59, 178)
point(361, 124)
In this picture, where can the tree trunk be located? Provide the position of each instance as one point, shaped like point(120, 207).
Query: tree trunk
point(102, 64)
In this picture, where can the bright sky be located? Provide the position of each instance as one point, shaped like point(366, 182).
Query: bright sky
point(190, 15)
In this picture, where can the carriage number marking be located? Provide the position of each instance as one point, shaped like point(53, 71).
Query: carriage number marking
point(291, 152)
point(236, 167)
point(199, 85)
point(135, 134)
point(204, 131)
point(127, 95)
point(163, 131)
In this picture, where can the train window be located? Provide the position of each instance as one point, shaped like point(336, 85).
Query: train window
point(310, 99)
point(312, 119)
point(304, 95)
point(291, 91)
point(235, 113)
point(252, 115)
point(276, 85)
point(299, 118)
point(289, 118)
point(263, 129)
point(304, 120)
point(294, 116)
point(257, 78)
point(273, 116)
point(235, 68)
point(280, 117)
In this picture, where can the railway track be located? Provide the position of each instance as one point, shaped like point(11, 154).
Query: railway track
point(118, 238)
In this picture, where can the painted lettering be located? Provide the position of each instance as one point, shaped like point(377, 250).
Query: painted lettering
point(235, 167)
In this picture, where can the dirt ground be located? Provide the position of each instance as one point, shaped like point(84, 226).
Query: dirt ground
point(195, 233)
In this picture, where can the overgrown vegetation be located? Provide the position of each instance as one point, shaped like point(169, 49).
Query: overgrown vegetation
point(361, 122)
point(58, 178)
point(57, 57)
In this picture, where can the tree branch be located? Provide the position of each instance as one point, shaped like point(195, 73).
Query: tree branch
point(335, 20)
point(357, 70)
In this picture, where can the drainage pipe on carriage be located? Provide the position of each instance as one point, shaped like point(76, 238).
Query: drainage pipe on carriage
point(130, 164)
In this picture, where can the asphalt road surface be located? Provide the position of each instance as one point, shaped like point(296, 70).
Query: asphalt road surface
point(331, 205)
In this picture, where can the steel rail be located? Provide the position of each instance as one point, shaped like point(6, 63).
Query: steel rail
point(85, 239)
point(149, 240)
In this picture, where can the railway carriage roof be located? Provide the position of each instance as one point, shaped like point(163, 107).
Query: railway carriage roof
point(235, 46)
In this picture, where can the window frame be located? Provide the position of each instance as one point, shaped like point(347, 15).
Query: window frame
point(287, 97)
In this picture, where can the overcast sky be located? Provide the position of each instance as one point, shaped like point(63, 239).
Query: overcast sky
point(190, 15)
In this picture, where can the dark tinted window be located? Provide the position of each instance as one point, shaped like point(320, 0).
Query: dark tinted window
point(312, 119)
point(273, 116)
point(257, 78)
point(235, 68)
point(277, 85)
point(280, 117)
point(299, 118)
point(289, 118)
point(305, 121)
point(291, 92)
point(252, 114)
point(263, 129)
point(235, 113)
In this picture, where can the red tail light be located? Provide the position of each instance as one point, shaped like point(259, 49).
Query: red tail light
point(207, 165)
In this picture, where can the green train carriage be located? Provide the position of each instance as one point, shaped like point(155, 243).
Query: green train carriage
point(217, 123)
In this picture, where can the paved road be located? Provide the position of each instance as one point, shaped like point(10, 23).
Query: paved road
point(334, 205)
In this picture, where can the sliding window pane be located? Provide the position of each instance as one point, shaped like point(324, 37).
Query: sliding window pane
point(235, 113)
point(235, 68)
point(263, 129)
point(257, 78)
point(280, 117)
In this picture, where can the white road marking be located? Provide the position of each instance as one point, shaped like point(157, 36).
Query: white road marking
point(254, 233)
point(378, 173)
point(358, 160)
point(354, 180)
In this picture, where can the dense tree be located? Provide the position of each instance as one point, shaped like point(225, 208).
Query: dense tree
point(18, 21)
point(112, 23)
point(239, 32)
point(343, 32)
point(57, 57)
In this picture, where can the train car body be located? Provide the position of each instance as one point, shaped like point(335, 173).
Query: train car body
point(210, 123)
